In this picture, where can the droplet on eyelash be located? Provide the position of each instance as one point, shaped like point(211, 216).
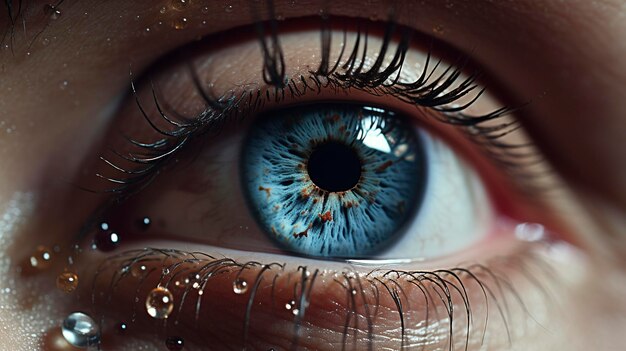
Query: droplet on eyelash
point(180, 5)
point(67, 282)
point(228, 8)
point(295, 311)
point(159, 303)
point(166, 271)
point(180, 23)
point(138, 270)
point(52, 11)
point(353, 291)
point(240, 286)
point(42, 257)
point(80, 330)
point(174, 343)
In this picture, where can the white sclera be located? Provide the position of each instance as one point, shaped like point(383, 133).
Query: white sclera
point(455, 212)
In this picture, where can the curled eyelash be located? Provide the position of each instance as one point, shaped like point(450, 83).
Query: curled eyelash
point(447, 299)
point(434, 93)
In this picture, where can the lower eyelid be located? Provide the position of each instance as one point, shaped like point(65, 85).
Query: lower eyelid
point(344, 304)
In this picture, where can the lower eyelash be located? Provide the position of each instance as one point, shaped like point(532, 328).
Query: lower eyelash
point(448, 296)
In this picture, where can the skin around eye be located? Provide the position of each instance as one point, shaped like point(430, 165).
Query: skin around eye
point(225, 325)
point(190, 282)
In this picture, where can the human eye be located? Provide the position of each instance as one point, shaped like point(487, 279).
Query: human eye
point(284, 163)
point(311, 183)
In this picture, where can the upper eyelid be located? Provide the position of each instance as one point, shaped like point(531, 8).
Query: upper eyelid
point(189, 129)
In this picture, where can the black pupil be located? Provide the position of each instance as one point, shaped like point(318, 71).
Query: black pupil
point(334, 166)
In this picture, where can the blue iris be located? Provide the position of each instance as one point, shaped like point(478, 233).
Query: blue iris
point(333, 180)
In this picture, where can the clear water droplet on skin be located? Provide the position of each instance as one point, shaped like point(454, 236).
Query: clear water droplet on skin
point(205, 10)
point(41, 258)
point(67, 282)
point(80, 330)
point(166, 271)
point(240, 286)
point(162, 10)
point(228, 8)
point(63, 85)
point(52, 11)
point(159, 303)
point(45, 41)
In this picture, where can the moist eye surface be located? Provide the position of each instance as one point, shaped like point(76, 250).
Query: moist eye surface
point(334, 180)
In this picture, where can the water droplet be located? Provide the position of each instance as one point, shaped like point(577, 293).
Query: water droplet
point(180, 23)
point(80, 330)
point(106, 240)
point(105, 225)
point(353, 291)
point(166, 271)
point(159, 303)
point(163, 10)
point(145, 223)
point(45, 41)
point(174, 343)
point(52, 11)
point(138, 270)
point(228, 8)
point(180, 5)
point(295, 311)
point(290, 305)
point(122, 327)
point(203, 23)
point(205, 10)
point(41, 258)
point(67, 282)
point(63, 85)
point(240, 286)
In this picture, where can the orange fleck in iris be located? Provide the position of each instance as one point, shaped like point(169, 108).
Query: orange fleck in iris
point(268, 191)
point(384, 166)
point(326, 217)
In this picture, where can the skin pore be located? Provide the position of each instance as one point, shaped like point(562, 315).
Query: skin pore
point(566, 60)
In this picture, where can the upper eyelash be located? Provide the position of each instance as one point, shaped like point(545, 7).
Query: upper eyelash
point(438, 287)
point(426, 91)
